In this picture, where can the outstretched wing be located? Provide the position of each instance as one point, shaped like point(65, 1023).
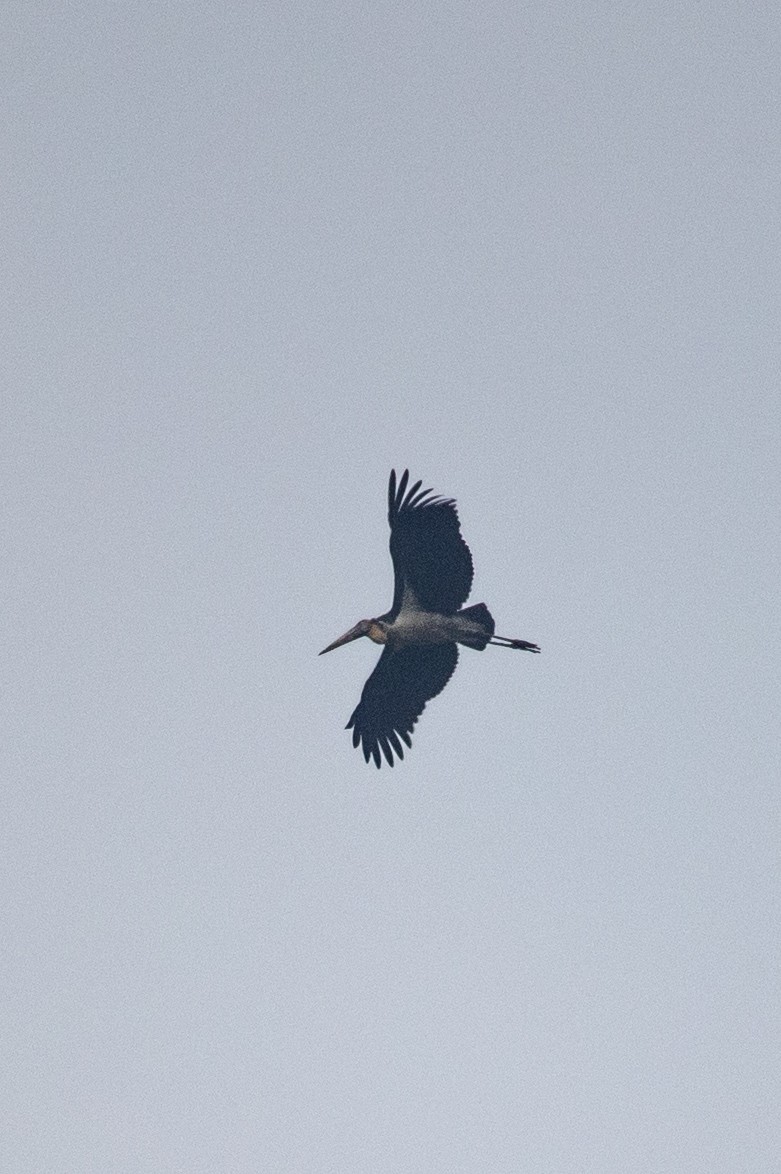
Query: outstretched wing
point(430, 557)
point(395, 696)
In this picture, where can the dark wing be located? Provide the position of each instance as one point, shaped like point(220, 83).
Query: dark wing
point(395, 696)
point(429, 555)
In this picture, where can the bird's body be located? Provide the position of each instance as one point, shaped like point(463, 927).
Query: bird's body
point(414, 626)
point(426, 622)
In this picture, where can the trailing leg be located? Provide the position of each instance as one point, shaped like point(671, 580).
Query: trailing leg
point(505, 642)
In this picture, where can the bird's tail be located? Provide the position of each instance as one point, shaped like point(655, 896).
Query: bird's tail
point(479, 615)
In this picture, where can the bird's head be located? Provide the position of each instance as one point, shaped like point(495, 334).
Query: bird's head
point(371, 628)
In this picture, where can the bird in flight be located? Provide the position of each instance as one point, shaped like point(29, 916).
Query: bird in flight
point(432, 569)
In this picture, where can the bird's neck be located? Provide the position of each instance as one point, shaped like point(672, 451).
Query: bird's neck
point(378, 632)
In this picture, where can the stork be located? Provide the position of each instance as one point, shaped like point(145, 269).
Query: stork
point(432, 568)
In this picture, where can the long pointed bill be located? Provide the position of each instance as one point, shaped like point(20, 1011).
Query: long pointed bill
point(353, 634)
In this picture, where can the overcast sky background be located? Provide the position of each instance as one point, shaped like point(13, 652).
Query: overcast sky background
point(255, 256)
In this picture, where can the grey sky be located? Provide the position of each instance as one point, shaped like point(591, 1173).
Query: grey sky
point(254, 258)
